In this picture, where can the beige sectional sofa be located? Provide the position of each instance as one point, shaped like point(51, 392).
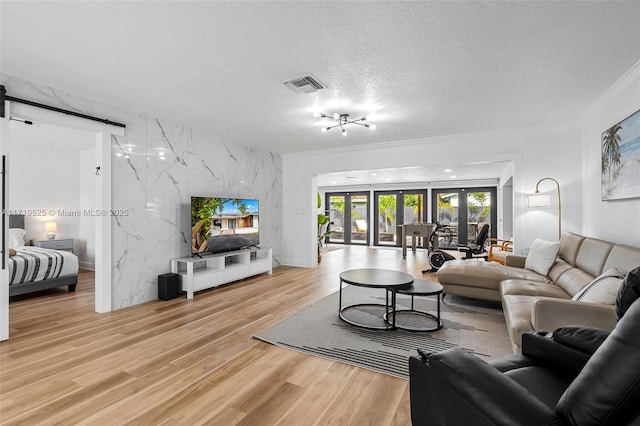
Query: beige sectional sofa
point(531, 301)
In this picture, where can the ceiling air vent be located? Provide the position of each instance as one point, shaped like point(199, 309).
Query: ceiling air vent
point(306, 84)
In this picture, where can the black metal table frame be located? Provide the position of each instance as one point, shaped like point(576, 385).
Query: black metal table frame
point(390, 325)
point(437, 318)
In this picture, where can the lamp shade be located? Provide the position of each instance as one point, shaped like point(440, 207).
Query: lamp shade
point(51, 229)
point(538, 200)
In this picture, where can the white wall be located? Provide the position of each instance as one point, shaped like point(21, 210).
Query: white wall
point(86, 240)
point(46, 179)
point(617, 220)
point(536, 153)
point(506, 225)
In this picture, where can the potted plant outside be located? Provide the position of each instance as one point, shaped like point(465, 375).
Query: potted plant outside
point(323, 228)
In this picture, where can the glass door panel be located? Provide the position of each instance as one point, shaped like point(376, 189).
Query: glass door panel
point(479, 210)
point(336, 218)
point(359, 219)
point(414, 210)
point(447, 214)
point(386, 208)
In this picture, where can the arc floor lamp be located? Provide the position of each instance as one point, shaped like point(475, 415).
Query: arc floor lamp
point(544, 200)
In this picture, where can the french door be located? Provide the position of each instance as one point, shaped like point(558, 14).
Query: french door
point(348, 217)
point(395, 208)
point(463, 211)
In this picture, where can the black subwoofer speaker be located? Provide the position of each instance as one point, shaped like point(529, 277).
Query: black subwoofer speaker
point(168, 286)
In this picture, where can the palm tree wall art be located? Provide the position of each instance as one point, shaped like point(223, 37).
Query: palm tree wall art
point(620, 169)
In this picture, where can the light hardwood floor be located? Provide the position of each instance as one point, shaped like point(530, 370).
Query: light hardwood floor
point(190, 362)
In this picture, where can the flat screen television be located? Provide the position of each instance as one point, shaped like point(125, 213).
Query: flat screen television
point(220, 224)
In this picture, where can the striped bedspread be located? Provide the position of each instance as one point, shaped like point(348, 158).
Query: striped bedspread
point(38, 264)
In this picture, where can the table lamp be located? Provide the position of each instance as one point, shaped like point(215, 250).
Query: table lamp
point(51, 229)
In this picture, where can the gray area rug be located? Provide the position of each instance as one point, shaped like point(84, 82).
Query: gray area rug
point(475, 326)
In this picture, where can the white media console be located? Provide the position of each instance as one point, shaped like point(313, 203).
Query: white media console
point(213, 270)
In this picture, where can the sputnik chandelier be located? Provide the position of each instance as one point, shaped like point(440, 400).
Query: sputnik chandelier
point(343, 120)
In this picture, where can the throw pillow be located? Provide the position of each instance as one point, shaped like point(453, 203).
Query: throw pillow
point(542, 256)
point(629, 291)
point(16, 237)
point(603, 289)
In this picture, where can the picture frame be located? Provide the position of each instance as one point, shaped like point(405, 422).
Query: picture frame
point(620, 148)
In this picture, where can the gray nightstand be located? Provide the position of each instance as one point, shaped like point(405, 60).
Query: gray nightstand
point(63, 244)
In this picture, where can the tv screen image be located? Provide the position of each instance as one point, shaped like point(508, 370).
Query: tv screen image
point(223, 224)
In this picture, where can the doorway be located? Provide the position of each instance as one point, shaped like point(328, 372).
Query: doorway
point(463, 211)
point(102, 134)
point(395, 208)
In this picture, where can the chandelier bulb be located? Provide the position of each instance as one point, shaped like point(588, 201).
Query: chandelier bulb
point(344, 132)
point(323, 129)
point(372, 126)
point(336, 116)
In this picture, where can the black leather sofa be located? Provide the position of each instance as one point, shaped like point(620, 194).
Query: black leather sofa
point(573, 376)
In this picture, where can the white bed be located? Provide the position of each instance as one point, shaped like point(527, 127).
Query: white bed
point(34, 268)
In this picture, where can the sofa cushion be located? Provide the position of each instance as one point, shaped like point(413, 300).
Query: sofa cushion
point(623, 258)
point(573, 280)
point(592, 256)
point(542, 256)
point(532, 288)
point(483, 274)
point(559, 268)
point(603, 289)
point(517, 315)
point(569, 246)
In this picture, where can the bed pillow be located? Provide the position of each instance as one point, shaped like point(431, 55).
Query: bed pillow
point(603, 289)
point(542, 256)
point(16, 237)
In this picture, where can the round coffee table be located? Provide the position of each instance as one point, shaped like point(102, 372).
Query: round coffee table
point(421, 288)
point(389, 280)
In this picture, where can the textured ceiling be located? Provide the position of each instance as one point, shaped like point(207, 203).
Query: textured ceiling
point(418, 69)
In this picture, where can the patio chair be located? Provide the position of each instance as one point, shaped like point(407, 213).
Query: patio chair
point(499, 250)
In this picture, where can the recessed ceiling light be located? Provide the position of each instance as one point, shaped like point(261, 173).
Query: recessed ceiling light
point(452, 177)
point(447, 170)
point(374, 174)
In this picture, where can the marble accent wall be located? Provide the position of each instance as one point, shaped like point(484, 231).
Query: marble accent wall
point(156, 168)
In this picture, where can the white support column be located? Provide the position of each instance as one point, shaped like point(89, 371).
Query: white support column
point(4, 273)
point(103, 223)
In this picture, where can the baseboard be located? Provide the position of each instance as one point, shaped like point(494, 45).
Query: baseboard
point(87, 265)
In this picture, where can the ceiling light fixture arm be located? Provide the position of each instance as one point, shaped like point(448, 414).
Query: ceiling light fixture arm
point(343, 120)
